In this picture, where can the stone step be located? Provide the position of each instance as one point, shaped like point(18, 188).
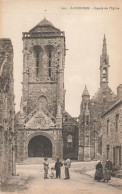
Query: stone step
point(34, 160)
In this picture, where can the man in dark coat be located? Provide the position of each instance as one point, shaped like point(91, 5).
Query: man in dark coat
point(58, 166)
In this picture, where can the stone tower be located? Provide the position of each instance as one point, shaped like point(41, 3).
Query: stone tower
point(43, 68)
point(99, 103)
point(43, 98)
point(104, 65)
point(84, 128)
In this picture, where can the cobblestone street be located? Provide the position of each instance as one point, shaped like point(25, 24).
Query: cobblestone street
point(30, 180)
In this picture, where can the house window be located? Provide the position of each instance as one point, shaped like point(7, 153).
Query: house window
point(107, 151)
point(69, 141)
point(117, 122)
point(107, 126)
point(114, 155)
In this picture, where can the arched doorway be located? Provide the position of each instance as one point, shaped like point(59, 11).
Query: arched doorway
point(40, 146)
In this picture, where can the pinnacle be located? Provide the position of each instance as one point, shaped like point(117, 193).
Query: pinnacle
point(85, 92)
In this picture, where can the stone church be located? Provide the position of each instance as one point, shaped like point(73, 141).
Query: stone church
point(43, 127)
point(90, 136)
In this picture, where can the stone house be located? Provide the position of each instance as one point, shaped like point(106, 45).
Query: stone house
point(7, 112)
point(112, 132)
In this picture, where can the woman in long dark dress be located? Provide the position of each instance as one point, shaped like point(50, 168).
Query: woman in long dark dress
point(99, 172)
point(107, 171)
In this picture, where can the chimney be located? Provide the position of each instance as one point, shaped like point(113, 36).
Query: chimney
point(119, 91)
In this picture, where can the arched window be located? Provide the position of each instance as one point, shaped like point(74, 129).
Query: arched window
point(104, 71)
point(43, 101)
point(37, 63)
point(49, 63)
point(104, 74)
point(37, 51)
point(49, 49)
point(69, 141)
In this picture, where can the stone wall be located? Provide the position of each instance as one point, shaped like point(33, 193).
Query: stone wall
point(7, 138)
point(112, 137)
point(70, 127)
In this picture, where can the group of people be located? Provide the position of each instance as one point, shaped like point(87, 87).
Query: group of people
point(103, 174)
point(57, 168)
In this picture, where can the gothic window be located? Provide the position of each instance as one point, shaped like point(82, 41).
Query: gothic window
point(43, 101)
point(37, 63)
point(117, 122)
point(104, 74)
point(49, 63)
point(50, 52)
point(69, 141)
point(37, 51)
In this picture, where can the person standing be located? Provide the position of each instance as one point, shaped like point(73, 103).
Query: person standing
point(107, 170)
point(99, 172)
point(46, 167)
point(67, 165)
point(58, 166)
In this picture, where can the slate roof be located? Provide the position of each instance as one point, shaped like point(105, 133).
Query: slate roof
point(44, 24)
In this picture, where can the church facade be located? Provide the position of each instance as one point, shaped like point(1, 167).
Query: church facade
point(43, 127)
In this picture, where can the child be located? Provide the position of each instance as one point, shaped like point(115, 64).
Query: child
point(52, 173)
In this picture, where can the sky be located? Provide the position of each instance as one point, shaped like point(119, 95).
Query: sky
point(84, 23)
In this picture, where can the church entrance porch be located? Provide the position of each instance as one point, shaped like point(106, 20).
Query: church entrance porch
point(40, 146)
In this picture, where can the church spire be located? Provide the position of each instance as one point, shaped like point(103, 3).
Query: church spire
point(104, 65)
point(104, 50)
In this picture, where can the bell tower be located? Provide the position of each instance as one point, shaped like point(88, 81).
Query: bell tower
point(43, 94)
point(104, 65)
point(43, 68)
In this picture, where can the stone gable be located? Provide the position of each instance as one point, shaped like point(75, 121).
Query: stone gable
point(40, 121)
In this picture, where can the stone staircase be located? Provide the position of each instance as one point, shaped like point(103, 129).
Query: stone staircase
point(34, 160)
